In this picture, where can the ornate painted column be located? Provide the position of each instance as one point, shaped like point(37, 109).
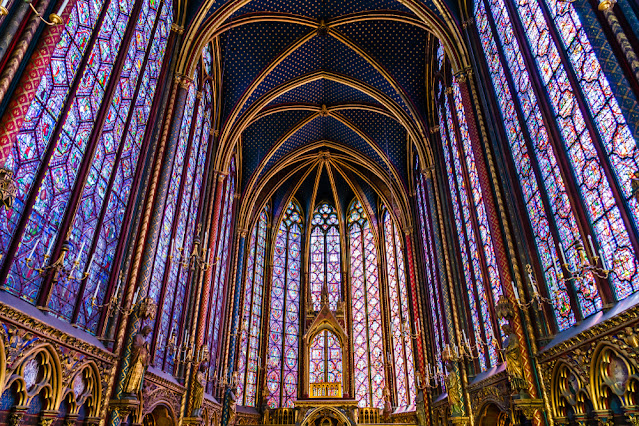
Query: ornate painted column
point(501, 250)
point(408, 238)
point(13, 61)
point(208, 276)
point(228, 404)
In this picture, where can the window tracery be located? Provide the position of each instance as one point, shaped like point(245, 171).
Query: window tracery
point(251, 319)
point(325, 264)
point(401, 348)
point(284, 328)
point(368, 339)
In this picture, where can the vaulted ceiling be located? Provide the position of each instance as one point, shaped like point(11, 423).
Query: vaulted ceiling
point(326, 84)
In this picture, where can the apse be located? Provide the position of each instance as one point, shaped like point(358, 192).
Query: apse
point(345, 330)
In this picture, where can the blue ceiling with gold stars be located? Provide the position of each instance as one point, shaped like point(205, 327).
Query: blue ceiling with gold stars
point(347, 73)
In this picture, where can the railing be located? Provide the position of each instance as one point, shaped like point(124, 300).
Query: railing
point(326, 390)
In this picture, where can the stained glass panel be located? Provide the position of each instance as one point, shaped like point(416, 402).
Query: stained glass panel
point(475, 279)
point(620, 146)
point(282, 358)
point(250, 330)
point(402, 353)
point(433, 286)
point(221, 271)
point(530, 182)
point(73, 141)
point(102, 181)
point(325, 255)
point(368, 342)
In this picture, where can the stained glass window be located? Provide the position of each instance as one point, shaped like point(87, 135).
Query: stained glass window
point(284, 328)
point(222, 259)
point(599, 148)
point(430, 266)
point(325, 364)
point(368, 339)
point(251, 325)
point(60, 147)
point(476, 251)
point(325, 254)
point(401, 350)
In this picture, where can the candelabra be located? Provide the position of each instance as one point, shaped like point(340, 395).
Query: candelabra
point(595, 264)
point(57, 267)
point(54, 18)
point(536, 300)
point(195, 258)
point(434, 376)
point(405, 330)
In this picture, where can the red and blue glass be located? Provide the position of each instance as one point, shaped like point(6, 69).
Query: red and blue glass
point(368, 342)
point(282, 355)
point(248, 357)
point(325, 266)
point(402, 354)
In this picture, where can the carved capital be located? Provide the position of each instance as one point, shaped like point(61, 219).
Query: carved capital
point(15, 418)
point(529, 406)
point(177, 28)
point(183, 81)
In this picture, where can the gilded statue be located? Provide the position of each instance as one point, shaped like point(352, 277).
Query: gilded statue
point(512, 354)
point(140, 358)
point(199, 383)
point(388, 408)
point(453, 389)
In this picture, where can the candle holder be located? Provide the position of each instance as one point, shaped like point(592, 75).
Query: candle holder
point(595, 264)
point(57, 267)
point(536, 300)
point(196, 259)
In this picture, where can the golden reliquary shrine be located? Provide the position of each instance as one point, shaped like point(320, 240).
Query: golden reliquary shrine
point(319, 213)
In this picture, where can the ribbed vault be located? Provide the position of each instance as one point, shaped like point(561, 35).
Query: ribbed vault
point(295, 75)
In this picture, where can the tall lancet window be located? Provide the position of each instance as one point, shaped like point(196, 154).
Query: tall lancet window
point(283, 343)
point(433, 286)
point(368, 340)
point(172, 271)
point(217, 299)
point(475, 241)
point(75, 159)
point(248, 357)
point(572, 150)
point(402, 349)
point(325, 256)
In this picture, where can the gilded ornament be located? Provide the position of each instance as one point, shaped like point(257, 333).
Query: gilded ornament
point(8, 188)
point(511, 349)
point(140, 359)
